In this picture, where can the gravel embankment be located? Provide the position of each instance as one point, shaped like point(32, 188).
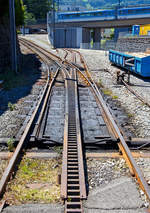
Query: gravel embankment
point(22, 96)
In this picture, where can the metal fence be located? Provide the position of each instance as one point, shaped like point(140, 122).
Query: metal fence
point(109, 44)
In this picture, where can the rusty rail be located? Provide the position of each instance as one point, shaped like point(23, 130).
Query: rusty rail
point(9, 170)
point(136, 94)
point(112, 126)
point(117, 134)
point(73, 189)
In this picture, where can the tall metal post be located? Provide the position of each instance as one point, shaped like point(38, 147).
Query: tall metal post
point(119, 3)
point(58, 5)
point(23, 26)
point(54, 30)
point(13, 35)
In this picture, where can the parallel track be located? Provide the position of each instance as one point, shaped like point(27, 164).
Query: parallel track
point(111, 124)
point(114, 129)
point(73, 188)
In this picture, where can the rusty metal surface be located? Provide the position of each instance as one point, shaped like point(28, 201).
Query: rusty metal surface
point(73, 188)
point(65, 147)
point(8, 155)
point(116, 155)
point(112, 126)
point(8, 171)
point(2, 205)
point(136, 94)
point(117, 134)
point(79, 140)
point(44, 106)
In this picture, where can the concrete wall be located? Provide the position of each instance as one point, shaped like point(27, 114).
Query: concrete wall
point(66, 37)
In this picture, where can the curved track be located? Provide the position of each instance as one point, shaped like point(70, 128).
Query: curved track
point(73, 187)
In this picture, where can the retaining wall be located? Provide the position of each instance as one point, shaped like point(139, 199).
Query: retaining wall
point(133, 44)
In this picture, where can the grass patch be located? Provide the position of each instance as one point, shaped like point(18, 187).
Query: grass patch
point(130, 115)
point(35, 182)
point(10, 144)
point(11, 106)
point(58, 149)
point(114, 97)
point(99, 83)
point(107, 92)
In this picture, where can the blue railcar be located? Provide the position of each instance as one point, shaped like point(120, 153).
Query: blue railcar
point(134, 12)
point(109, 14)
point(138, 65)
point(86, 15)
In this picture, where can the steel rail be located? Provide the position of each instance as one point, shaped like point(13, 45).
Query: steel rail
point(122, 144)
point(136, 94)
point(45, 53)
point(9, 169)
point(139, 97)
point(73, 189)
point(70, 191)
point(114, 128)
point(44, 105)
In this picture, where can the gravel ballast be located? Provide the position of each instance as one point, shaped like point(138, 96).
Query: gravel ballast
point(139, 114)
point(102, 172)
point(21, 97)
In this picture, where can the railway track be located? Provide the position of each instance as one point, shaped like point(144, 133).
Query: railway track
point(129, 87)
point(73, 187)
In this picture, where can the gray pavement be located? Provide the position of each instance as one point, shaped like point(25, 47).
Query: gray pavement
point(35, 208)
point(119, 196)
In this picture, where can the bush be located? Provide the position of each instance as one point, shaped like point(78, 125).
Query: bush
point(19, 10)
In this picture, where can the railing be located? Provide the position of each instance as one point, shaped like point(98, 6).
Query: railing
point(110, 44)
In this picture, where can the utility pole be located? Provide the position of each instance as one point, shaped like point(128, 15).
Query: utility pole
point(58, 4)
point(53, 24)
point(119, 3)
point(23, 26)
point(13, 35)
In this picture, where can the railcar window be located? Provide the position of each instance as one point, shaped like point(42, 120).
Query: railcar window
point(96, 14)
point(146, 10)
point(88, 14)
point(131, 12)
point(105, 13)
point(122, 12)
point(76, 15)
point(99, 13)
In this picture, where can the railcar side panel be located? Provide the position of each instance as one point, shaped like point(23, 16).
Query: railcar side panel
point(136, 65)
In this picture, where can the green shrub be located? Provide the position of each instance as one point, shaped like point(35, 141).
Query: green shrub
point(11, 106)
point(10, 144)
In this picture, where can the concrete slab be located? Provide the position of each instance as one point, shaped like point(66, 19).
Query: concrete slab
point(114, 211)
point(35, 208)
point(120, 194)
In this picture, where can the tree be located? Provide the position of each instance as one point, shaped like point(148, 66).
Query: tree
point(38, 8)
point(29, 18)
point(19, 10)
